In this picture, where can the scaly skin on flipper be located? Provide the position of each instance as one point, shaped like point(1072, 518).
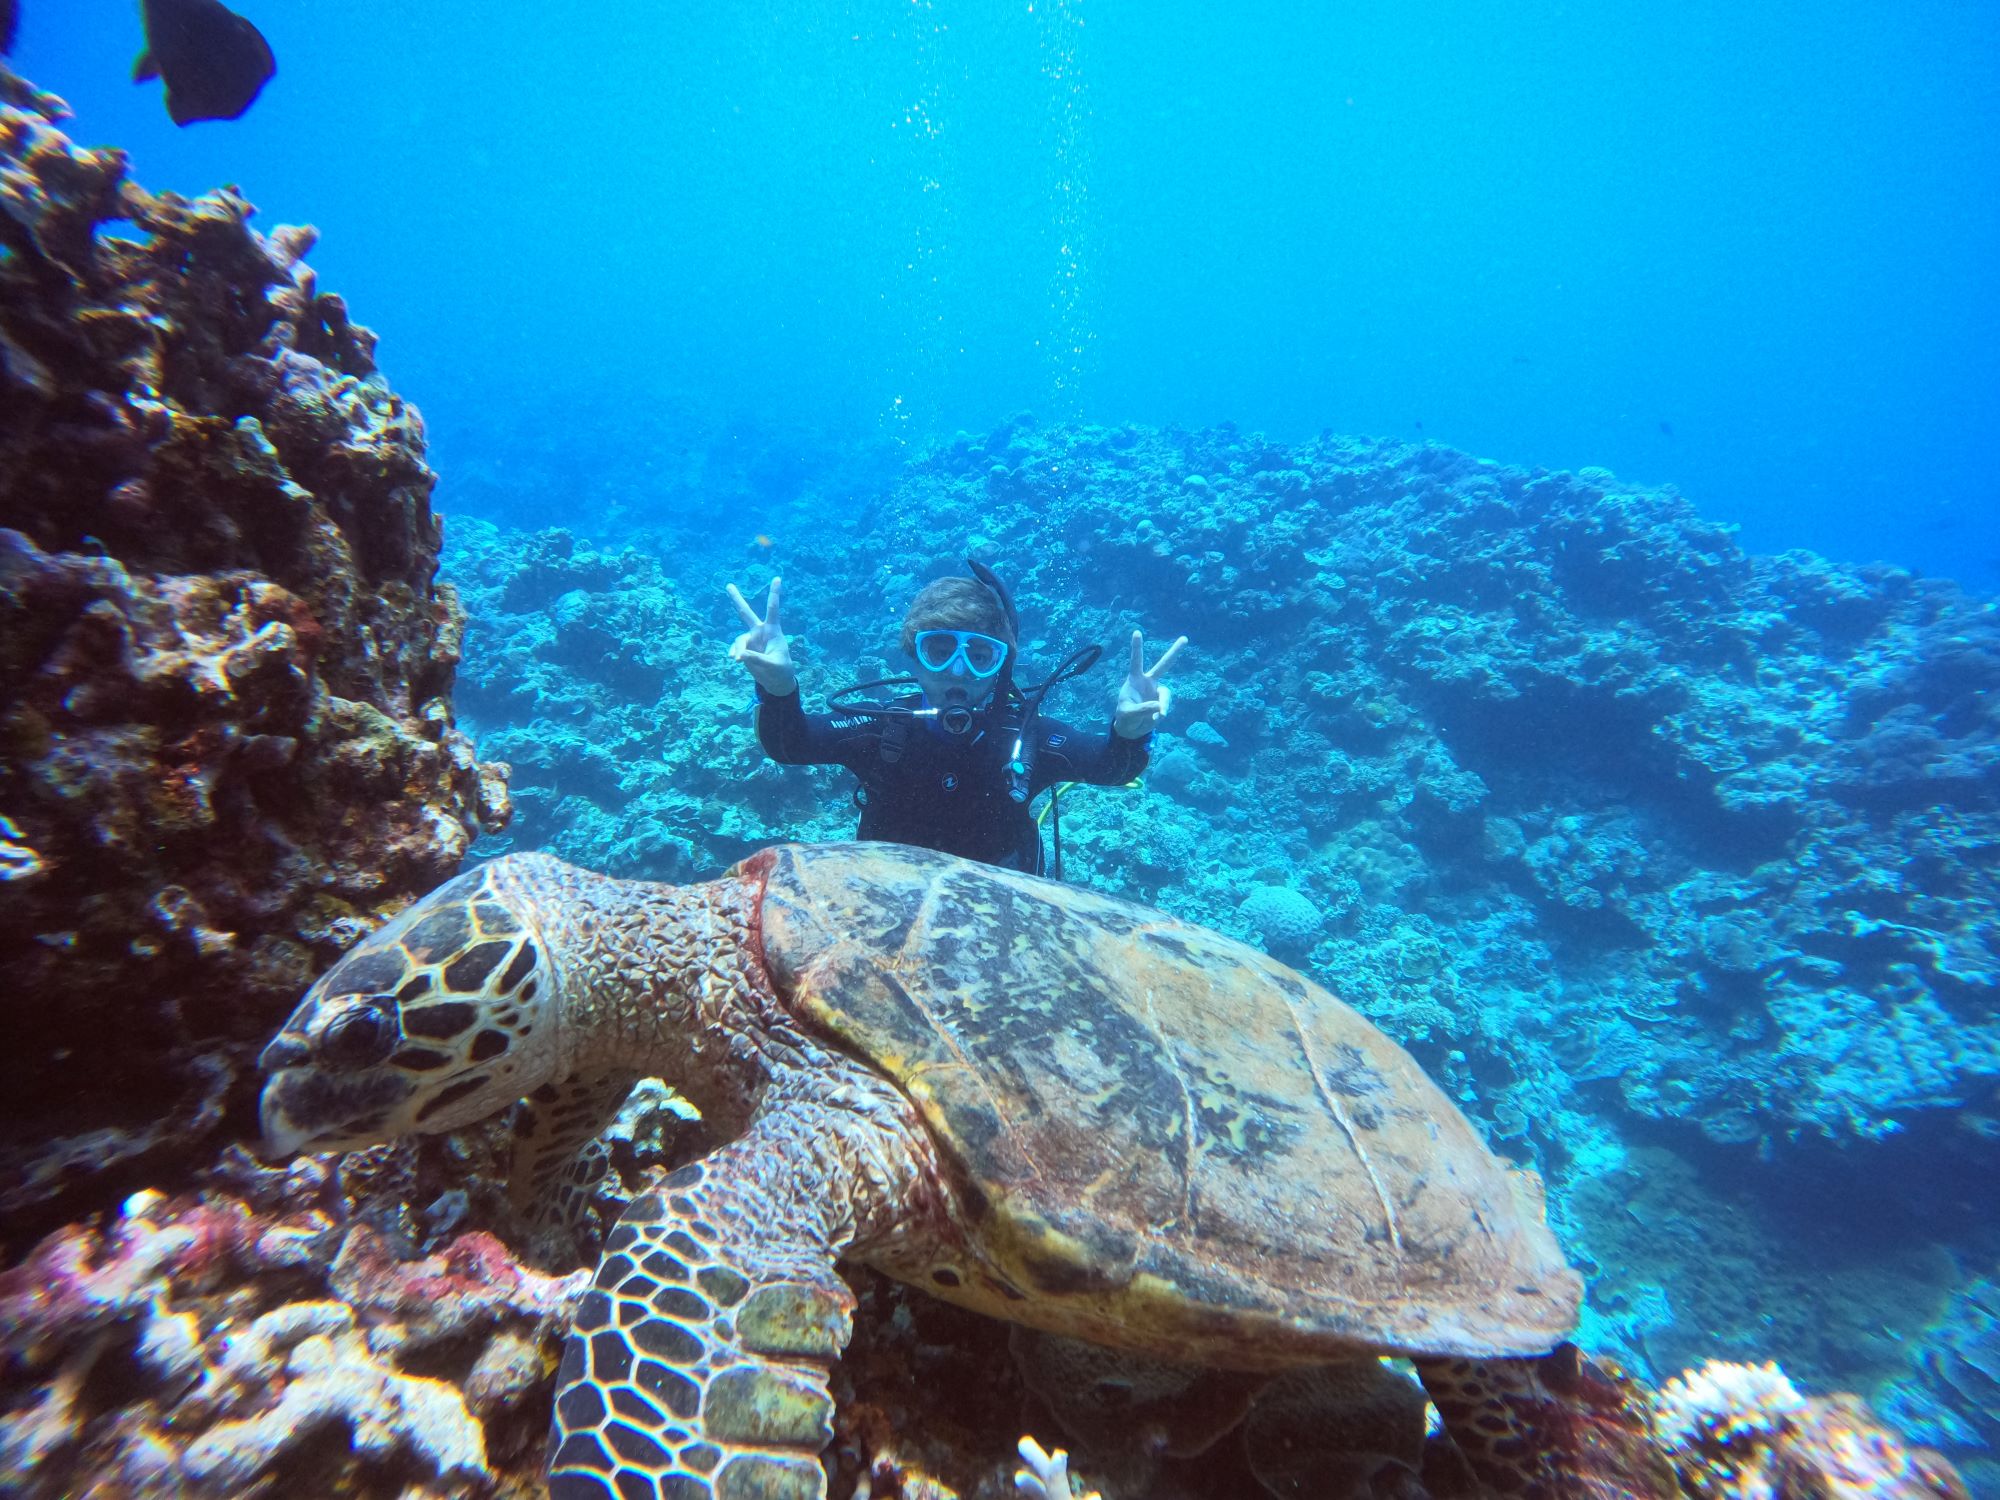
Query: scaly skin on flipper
point(703, 1349)
point(1556, 1428)
point(1056, 1107)
point(701, 1352)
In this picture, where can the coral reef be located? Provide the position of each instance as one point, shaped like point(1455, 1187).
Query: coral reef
point(629, 737)
point(1674, 863)
point(1743, 1432)
point(1543, 708)
point(226, 734)
point(1045, 1476)
point(1730, 781)
point(265, 1337)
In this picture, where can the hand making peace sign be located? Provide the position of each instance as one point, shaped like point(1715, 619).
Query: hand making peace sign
point(1142, 697)
point(764, 648)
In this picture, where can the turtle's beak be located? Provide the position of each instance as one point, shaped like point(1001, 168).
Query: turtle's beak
point(281, 1061)
point(282, 1136)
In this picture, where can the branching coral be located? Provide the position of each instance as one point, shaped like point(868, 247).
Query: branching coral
point(1045, 1475)
point(337, 1381)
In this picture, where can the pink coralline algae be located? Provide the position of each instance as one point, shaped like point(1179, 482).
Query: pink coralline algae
point(226, 736)
point(206, 1347)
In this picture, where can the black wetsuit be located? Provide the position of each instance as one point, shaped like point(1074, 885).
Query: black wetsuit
point(948, 792)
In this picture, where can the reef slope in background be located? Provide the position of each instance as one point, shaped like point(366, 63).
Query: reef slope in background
point(1674, 862)
point(225, 664)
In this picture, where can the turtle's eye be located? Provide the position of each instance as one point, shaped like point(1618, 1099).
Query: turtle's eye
point(358, 1038)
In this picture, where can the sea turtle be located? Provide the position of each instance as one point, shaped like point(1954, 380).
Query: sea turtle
point(1053, 1106)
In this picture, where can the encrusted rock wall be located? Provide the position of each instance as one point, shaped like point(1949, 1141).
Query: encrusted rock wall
point(226, 734)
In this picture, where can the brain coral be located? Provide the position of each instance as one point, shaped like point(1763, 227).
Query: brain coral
point(225, 666)
point(1285, 919)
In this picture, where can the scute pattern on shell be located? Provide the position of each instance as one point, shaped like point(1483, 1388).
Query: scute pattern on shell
point(1165, 1135)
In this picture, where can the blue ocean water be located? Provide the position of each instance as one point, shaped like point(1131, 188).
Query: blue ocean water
point(1748, 251)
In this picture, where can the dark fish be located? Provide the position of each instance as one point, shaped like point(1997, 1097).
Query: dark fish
point(1666, 429)
point(214, 62)
point(10, 19)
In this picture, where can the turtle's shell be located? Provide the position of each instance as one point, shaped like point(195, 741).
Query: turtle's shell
point(1160, 1137)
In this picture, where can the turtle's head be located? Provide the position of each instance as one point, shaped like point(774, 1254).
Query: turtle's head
point(441, 1017)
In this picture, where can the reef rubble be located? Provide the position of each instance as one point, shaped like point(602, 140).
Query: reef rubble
point(262, 1336)
point(227, 743)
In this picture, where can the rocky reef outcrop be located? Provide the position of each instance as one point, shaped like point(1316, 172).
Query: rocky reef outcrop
point(227, 742)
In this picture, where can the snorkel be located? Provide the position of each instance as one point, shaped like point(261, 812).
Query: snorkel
point(1018, 780)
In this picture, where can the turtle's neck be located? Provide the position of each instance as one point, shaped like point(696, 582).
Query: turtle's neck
point(667, 980)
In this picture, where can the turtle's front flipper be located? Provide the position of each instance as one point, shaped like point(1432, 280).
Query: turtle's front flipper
point(701, 1352)
point(1560, 1427)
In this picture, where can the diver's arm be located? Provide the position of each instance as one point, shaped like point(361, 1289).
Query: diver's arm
point(1119, 754)
point(1104, 759)
point(793, 737)
point(789, 735)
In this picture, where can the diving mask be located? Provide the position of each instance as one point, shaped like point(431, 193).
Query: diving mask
point(941, 650)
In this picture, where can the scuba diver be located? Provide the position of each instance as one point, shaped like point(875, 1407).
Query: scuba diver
point(956, 764)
